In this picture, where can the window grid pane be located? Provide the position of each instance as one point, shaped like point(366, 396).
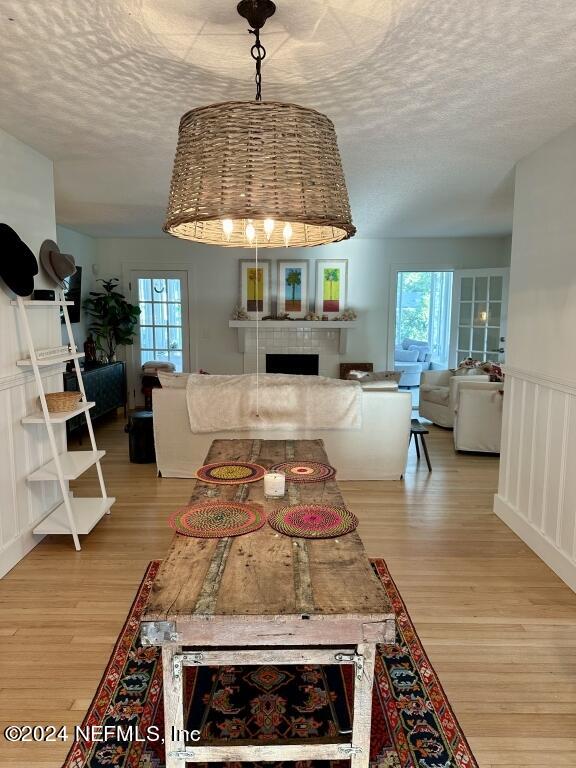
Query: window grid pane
point(161, 336)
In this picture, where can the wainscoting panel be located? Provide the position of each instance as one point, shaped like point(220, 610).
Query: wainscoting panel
point(22, 450)
point(537, 487)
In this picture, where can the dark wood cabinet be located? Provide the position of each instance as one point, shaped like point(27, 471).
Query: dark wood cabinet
point(105, 385)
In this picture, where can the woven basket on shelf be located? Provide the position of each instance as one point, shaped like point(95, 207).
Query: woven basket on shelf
point(251, 161)
point(62, 401)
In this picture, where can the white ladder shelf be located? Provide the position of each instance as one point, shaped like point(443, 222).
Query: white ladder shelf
point(73, 515)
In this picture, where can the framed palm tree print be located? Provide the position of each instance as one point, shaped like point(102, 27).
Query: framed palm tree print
point(331, 286)
point(293, 288)
point(255, 287)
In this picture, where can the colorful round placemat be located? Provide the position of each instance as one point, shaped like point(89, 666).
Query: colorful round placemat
point(313, 521)
point(217, 519)
point(231, 473)
point(305, 471)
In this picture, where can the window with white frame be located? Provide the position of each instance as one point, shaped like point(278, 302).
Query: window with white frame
point(161, 320)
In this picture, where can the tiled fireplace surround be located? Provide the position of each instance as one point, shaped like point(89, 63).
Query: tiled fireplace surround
point(294, 341)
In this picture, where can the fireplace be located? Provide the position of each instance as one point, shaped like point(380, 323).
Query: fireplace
point(306, 365)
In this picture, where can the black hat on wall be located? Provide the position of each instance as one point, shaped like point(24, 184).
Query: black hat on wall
point(56, 264)
point(18, 264)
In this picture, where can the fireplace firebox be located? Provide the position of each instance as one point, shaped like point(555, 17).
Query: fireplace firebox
point(306, 365)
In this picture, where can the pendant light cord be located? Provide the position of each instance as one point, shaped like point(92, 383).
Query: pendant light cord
point(258, 329)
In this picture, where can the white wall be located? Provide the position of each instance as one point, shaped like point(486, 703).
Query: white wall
point(27, 205)
point(537, 489)
point(214, 277)
point(83, 248)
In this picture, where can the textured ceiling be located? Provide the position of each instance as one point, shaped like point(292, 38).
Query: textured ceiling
point(434, 100)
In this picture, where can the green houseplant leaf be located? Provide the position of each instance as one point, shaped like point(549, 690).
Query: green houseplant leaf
point(113, 319)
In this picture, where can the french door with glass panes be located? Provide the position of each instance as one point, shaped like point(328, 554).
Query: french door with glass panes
point(163, 327)
point(479, 314)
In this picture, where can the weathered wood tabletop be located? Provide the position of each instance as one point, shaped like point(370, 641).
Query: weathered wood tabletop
point(265, 588)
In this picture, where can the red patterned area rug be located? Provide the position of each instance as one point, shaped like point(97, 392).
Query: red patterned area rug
point(413, 725)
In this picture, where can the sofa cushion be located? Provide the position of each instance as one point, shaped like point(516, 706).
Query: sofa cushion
point(380, 384)
point(406, 355)
point(173, 380)
point(438, 395)
point(407, 343)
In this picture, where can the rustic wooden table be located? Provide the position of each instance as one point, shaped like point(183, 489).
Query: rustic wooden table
point(265, 598)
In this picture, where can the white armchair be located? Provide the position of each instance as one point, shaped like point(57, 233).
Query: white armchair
point(478, 416)
point(439, 394)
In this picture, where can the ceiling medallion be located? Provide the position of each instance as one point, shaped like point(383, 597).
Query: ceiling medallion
point(258, 172)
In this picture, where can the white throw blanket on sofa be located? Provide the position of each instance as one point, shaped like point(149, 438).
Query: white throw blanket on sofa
point(223, 403)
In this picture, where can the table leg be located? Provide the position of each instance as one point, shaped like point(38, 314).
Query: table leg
point(417, 446)
point(426, 453)
point(362, 723)
point(173, 706)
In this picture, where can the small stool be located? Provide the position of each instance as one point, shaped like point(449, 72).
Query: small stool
point(419, 429)
point(140, 427)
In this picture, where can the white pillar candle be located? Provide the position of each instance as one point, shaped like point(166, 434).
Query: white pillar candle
point(274, 484)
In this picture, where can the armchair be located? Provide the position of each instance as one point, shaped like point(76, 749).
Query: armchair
point(478, 417)
point(439, 394)
point(410, 359)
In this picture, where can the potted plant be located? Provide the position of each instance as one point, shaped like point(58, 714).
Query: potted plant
point(114, 319)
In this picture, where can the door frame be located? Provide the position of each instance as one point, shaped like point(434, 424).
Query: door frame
point(395, 269)
point(131, 266)
point(503, 272)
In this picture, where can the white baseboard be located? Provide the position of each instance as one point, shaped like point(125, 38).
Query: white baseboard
point(16, 550)
point(546, 549)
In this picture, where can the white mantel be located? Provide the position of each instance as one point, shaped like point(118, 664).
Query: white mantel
point(341, 326)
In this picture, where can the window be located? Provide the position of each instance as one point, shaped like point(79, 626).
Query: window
point(423, 303)
point(481, 317)
point(161, 320)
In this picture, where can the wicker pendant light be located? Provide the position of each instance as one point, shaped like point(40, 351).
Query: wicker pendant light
point(258, 171)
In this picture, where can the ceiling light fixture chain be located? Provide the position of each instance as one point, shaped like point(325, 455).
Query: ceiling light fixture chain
point(258, 53)
point(256, 12)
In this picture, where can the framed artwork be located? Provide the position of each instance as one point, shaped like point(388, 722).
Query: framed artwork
point(331, 286)
point(255, 287)
point(293, 288)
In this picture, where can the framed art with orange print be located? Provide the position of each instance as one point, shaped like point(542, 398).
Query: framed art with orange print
point(255, 287)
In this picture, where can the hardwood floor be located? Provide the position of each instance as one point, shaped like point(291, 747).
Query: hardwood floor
point(498, 625)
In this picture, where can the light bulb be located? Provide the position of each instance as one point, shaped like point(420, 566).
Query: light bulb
point(250, 231)
point(287, 233)
point(228, 228)
point(268, 228)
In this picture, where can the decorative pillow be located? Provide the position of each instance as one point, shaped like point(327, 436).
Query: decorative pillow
point(153, 366)
point(423, 351)
point(173, 380)
point(406, 355)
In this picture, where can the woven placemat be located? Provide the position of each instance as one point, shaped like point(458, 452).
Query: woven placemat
point(313, 521)
point(231, 473)
point(217, 519)
point(305, 471)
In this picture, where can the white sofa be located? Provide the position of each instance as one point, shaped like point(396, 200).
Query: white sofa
point(377, 451)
